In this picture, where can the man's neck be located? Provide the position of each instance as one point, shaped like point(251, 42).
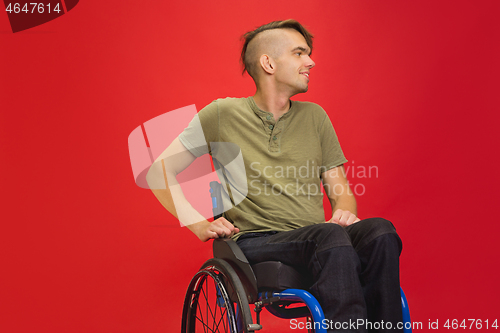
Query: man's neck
point(275, 103)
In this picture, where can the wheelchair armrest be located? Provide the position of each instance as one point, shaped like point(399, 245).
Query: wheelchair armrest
point(227, 249)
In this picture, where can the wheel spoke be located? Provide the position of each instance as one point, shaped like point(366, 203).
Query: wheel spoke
point(207, 301)
point(222, 317)
point(223, 322)
point(205, 326)
point(198, 310)
point(201, 314)
point(219, 308)
point(214, 316)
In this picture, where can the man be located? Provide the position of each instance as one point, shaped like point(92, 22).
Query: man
point(289, 149)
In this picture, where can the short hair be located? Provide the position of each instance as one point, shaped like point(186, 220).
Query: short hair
point(286, 24)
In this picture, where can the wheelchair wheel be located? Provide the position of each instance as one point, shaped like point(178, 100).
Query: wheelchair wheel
point(216, 301)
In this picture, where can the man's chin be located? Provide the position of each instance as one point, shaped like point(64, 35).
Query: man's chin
point(301, 91)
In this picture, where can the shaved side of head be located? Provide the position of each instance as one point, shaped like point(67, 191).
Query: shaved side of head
point(269, 42)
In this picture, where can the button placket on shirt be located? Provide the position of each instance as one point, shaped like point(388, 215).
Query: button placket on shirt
point(273, 130)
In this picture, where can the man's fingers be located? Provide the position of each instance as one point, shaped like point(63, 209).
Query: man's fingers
point(224, 228)
point(344, 217)
point(222, 232)
point(337, 215)
point(231, 227)
point(352, 219)
point(227, 224)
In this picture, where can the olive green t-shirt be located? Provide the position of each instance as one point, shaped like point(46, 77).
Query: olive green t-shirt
point(282, 160)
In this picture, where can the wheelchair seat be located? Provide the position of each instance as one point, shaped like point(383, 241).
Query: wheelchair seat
point(274, 275)
point(267, 275)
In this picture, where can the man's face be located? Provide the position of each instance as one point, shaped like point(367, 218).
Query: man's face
point(293, 66)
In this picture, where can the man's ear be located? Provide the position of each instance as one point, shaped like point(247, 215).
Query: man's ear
point(267, 63)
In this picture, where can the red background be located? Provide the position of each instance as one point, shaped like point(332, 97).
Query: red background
point(411, 87)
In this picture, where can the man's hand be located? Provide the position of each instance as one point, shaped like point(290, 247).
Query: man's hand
point(343, 201)
point(220, 228)
point(343, 218)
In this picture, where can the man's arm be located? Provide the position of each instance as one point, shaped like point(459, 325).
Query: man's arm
point(341, 197)
point(162, 180)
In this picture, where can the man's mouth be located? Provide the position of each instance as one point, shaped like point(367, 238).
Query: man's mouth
point(306, 74)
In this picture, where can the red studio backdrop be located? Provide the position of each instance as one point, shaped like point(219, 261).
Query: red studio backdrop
point(411, 87)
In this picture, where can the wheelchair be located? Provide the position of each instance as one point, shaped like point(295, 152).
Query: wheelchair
point(219, 295)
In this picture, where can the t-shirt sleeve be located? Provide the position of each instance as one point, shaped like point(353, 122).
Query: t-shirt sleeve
point(330, 146)
point(201, 131)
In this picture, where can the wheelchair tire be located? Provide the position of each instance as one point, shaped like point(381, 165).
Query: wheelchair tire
point(216, 301)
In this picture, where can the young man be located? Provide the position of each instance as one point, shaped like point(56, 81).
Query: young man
point(289, 150)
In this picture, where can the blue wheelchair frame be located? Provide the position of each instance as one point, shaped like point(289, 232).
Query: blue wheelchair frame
point(316, 312)
point(267, 298)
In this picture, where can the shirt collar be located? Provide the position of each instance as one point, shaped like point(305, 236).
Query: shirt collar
point(264, 114)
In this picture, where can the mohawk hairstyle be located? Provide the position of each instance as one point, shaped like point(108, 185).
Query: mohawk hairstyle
point(286, 24)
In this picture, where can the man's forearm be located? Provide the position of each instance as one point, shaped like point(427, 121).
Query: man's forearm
point(167, 190)
point(346, 201)
point(162, 182)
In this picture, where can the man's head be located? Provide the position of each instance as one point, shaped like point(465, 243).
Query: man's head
point(278, 49)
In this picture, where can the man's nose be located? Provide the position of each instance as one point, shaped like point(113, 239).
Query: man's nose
point(310, 63)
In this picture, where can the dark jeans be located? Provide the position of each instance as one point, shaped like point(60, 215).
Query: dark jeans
point(355, 270)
